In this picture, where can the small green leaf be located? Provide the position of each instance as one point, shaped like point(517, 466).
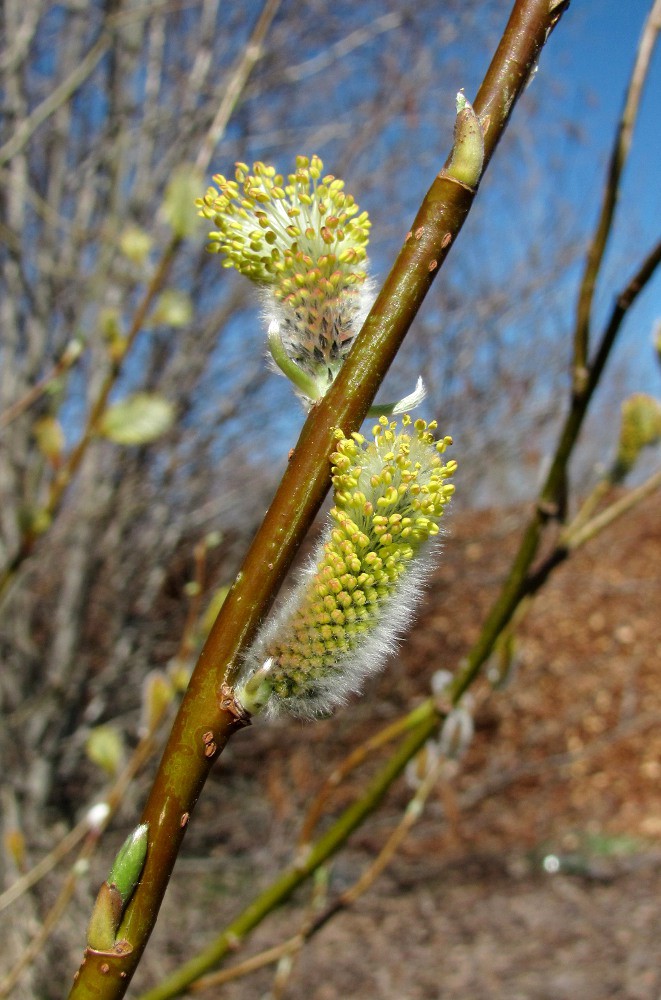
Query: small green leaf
point(49, 436)
point(157, 693)
point(172, 308)
point(139, 419)
point(135, 244)
point(105, 748)
point(179, 201)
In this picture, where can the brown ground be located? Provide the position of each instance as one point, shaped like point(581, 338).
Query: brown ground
point(566, 762)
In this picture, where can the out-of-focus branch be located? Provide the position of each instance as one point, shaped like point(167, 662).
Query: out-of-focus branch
point(615, 510)
point(236, 85)
point(520, 581)
point(59, 96)
point(250, 55)
point(411, 815)
point(618, 158)
point(282, 888)
point(68, 358)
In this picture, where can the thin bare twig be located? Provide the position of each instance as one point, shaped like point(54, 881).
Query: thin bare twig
point(68, 358)
point(353, 760)
point(577, 535)
point(410, 816)
point(618, 158)
point(251, 54)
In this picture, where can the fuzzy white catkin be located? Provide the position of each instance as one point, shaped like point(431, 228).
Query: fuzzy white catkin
point(358, 596)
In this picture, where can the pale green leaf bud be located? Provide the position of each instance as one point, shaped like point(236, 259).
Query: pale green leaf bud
point(139, 419)
point(105, 919)
point(117, 890)
point(467, 157)
point(157, 694)
point(105, 748)
point(640, 428)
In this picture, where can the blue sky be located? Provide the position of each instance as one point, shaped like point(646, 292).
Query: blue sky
point(579, 89)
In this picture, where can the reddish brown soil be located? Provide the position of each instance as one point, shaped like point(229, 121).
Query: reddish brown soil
point(565, 764)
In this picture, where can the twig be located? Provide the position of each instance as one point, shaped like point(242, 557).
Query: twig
point(353, 760)
point(251, 54)
point(347, 899)
point(184, 978)
point(67, 359)
point(520, 580)
point(578, 535)
point(471, 798)
point(618, 158)
point(59, 96)
point(291, 878)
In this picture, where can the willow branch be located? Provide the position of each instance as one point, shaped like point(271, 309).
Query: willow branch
point(206, 721)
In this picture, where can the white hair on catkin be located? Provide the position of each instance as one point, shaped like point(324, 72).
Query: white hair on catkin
point(353, 667)
point(358, 595)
